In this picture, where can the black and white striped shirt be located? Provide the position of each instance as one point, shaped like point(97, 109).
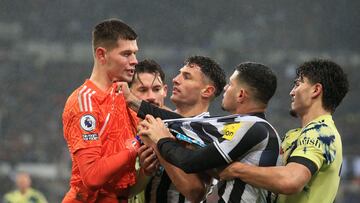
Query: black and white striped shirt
point(160, 188)
point(248, 139)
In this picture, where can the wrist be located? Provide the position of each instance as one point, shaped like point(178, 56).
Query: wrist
point(133, 102)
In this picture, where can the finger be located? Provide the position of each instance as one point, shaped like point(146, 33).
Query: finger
point(148, 161)
point(145, 123)
point(146, 152)
point(160, 121)
point(143, 148)
point(150, 118)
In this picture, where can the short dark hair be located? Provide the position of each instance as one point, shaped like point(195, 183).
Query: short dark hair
point(148, 66)
point(260, 78)
point(210, 69)
point(332, 78)
point(109, 31)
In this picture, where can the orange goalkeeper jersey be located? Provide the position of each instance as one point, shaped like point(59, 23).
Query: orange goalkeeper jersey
point(93, 119)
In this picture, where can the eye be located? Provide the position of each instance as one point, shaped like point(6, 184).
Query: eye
point(187, 76)
point(142, 89)
point(156, 89)
point(127, 53)
point(296, 83)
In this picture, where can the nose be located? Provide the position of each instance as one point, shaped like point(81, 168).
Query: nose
point(176, 80)
point(292, 92)
point(133, 60)
point(151, 96)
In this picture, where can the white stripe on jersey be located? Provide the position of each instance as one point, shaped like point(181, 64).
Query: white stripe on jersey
point(229, 187)
point(90, 103)
point(85, 99)
point(79, 98)
point(226, 146)
point(105, 123)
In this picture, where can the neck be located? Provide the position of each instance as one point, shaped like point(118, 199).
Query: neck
point(100, 79)
point(312, 113)
point(191, 110)
point(23, 191)
point(249, 108)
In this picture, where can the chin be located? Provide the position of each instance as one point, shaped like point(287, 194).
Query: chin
point(223, 107)
point(293, 113)
point(173, 99)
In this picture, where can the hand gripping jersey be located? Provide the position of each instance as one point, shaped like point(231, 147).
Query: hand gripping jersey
point(161, 188)
point(92, 119)
point(318, 147)
point(244, 138)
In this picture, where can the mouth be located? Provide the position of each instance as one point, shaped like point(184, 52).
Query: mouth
point(175, 90)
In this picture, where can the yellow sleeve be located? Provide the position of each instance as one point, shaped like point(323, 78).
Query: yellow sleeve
point(316, 143)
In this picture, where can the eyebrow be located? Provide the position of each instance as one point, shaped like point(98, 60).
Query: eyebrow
point(186, 73)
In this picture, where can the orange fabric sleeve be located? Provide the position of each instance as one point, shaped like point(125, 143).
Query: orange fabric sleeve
point(95, 170)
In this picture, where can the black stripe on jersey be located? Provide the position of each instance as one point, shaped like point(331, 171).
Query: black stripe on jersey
point(221, 189)
point(235, 195)
point(200, 127)
point(181, 198)
point(148, 190)
point(271, 152)
point(268, 197)
point(164, 185)
point(256, 134)
point(163, 189)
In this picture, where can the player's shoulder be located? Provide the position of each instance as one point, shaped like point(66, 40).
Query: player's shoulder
point(9, 195)
point(295, 132)
point(316, 128)
point(81, 99)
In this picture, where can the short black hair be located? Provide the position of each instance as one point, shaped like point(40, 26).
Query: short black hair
point(260, 78)
point(109, 31)
point(148, 66)
point(210, 69)
point(332, 78)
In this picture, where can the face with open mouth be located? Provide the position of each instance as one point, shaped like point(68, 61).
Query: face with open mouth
point(121, 60)
point(187, 85)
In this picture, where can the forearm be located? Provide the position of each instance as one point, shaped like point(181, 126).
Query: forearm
point(147, 108)
point(96, 170)
point(190, 161)
point(279, 179)
point(133, 102)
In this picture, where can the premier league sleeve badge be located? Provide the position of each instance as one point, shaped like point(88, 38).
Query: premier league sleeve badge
point(88, 122)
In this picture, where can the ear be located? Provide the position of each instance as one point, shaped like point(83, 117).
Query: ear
point(241, 95)
point(165, 91)
point(317, 90)
point(100, 55)
point(208, 91)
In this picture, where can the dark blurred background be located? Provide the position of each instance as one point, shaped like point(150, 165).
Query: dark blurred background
point(45, 53)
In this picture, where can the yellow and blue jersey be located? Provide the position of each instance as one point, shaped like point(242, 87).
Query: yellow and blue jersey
point(318, 147)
